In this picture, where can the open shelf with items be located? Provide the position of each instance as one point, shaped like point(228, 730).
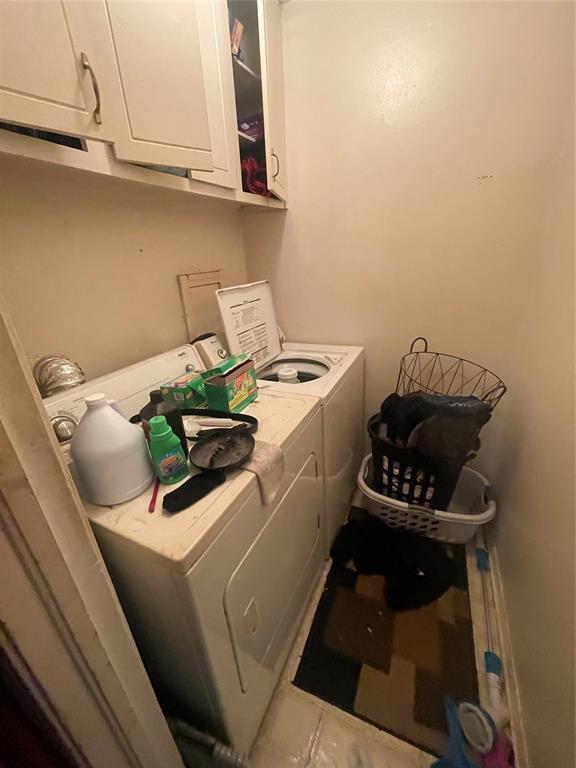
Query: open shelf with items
point(246, 69)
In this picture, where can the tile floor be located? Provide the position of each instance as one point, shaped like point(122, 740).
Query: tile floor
point(301, 731)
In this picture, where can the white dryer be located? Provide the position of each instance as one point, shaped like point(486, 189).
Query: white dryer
point(214, 594)
point(129, 386)
point(333, 373)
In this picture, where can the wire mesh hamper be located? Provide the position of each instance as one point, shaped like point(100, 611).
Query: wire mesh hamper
point(404, 474)
point(471, 507)
point(441, 374)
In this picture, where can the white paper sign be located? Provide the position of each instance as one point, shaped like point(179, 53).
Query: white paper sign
point(250, 321)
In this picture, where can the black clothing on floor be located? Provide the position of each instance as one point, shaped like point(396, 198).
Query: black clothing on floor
point(417, 570)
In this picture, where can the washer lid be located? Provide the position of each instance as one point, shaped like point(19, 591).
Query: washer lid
point(250, 321)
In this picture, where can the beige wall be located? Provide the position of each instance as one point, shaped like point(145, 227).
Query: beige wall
point(88, 265)
point(431, 192)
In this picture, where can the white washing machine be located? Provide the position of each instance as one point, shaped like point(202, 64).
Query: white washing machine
point(214, 594)
point(335, 374)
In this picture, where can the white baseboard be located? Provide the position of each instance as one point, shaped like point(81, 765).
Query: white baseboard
point(491, 632)
point(510, 674)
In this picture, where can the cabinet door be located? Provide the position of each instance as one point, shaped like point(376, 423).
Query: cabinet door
point(143, 92)
point(269, 21)
point(157, 47)
point(219, 85)
point(42, 81)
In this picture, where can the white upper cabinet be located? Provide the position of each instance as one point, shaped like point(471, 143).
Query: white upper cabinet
point(122, 71)
point(160, 81)
point(269, 20)
point(219, 86)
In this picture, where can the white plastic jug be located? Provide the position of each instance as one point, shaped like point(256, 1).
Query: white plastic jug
point(110, 455)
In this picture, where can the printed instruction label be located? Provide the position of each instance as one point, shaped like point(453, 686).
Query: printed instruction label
point(250, 321)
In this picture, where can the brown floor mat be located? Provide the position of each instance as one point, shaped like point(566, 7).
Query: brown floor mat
point(391, 669)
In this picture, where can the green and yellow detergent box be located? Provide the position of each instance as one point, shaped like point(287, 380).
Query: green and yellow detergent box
point(187, 391)
point(231, 385)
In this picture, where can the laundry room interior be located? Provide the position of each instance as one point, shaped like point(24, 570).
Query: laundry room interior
point(287, 391)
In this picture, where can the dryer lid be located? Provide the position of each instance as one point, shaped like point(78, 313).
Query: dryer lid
point(249, 321)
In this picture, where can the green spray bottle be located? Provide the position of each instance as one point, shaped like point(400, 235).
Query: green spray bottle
point(170, 462)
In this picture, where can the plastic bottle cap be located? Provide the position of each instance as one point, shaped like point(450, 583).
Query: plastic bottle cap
point(159, 425)
point(287, 374)
point(92, 401)
point(156, 396)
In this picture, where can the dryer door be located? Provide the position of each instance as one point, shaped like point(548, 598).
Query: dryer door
point(265, 594)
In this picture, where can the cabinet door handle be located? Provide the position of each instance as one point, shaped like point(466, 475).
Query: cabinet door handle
point(88, 67)
point(277, 165)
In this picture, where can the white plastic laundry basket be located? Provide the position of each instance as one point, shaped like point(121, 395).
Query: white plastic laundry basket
point(471, 507)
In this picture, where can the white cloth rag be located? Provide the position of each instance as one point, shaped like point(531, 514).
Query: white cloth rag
point(267, 463)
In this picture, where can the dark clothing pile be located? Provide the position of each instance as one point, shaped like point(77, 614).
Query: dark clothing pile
point(443, 427)
point(417, 570)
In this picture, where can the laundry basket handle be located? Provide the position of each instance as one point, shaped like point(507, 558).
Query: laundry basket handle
point(417, 339)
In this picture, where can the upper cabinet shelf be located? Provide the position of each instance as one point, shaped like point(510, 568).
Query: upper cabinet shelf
point(246, 137)
point(244, 68)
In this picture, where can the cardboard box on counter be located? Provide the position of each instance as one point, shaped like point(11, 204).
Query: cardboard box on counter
point(231, 385)
point(187, 391)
